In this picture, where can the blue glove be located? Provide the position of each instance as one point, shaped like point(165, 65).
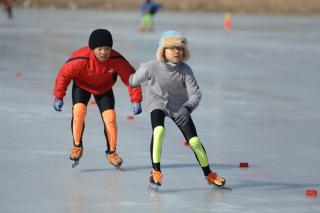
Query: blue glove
point(183, 116)
point(136, 108)
point(57, 104)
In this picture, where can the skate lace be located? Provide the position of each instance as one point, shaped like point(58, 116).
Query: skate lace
point(76, 152)
point(114, 158)
point(215, 179)
point(157, 176)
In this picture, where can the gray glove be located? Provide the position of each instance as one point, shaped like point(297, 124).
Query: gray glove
point(183, 116)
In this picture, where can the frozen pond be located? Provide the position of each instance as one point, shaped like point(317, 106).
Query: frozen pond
point(260, 105)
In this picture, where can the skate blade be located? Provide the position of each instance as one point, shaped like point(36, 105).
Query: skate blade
point(154, 187)
point(119, 168)
point(223, 187)
point(75, 163)
point(116, 166)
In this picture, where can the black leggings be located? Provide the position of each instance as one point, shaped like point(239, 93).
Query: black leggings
point(189, 131)
point(105, 101)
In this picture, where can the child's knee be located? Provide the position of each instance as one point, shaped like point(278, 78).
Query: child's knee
point(194, 143)
point(109, 116)
point(79, 111)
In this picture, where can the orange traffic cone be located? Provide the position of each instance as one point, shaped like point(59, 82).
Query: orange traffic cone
point(130, 117)
point(227, 22)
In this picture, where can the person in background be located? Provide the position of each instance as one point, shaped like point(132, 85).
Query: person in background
point(148, 10)
point(8, 5)
point(94, 70)
point(172, 92)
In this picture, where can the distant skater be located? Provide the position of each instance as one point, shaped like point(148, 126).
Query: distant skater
point(8, 5)
point(94, 70)
point(172, 92)
point(148, 10)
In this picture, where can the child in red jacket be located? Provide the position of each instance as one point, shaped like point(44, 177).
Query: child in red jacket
point(94, 70)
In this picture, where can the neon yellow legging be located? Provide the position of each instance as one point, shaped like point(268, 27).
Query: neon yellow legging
point(158, 135)
point(194, 143)
point(147, 21)
point(198, 149)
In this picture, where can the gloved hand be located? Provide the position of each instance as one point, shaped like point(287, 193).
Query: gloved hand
point(183, 116)
point(57, 104)
point(136, 108)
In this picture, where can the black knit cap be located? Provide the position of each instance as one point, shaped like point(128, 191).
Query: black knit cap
point(100, 37)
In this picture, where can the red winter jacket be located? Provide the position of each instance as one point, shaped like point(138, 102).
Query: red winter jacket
point(93, 75)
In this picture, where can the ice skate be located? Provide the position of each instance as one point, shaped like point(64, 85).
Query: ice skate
point(114, 159)
point(217, 181)
point(155, 180)
point(75, 155)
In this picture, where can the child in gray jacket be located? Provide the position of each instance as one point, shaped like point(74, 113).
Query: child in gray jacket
point(172, 91)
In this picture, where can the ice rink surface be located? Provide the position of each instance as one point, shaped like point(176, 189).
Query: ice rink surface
point(261, 105)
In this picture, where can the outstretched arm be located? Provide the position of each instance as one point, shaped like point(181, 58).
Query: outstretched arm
point(141, 75)
point(124, 70)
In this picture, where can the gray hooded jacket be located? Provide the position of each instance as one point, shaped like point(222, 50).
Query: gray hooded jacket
point(169, 88)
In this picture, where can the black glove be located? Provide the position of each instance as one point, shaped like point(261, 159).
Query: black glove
point(183, 116)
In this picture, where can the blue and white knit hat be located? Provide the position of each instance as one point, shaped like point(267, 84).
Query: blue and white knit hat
point(172, 39)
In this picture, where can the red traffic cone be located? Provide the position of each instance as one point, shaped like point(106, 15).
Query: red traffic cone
point(311, 193)
point(93, 102)
point(18, 74)
point(244, 165)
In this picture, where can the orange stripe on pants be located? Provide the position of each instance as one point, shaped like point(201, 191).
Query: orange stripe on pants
point(79, 114)
point(109, 118)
